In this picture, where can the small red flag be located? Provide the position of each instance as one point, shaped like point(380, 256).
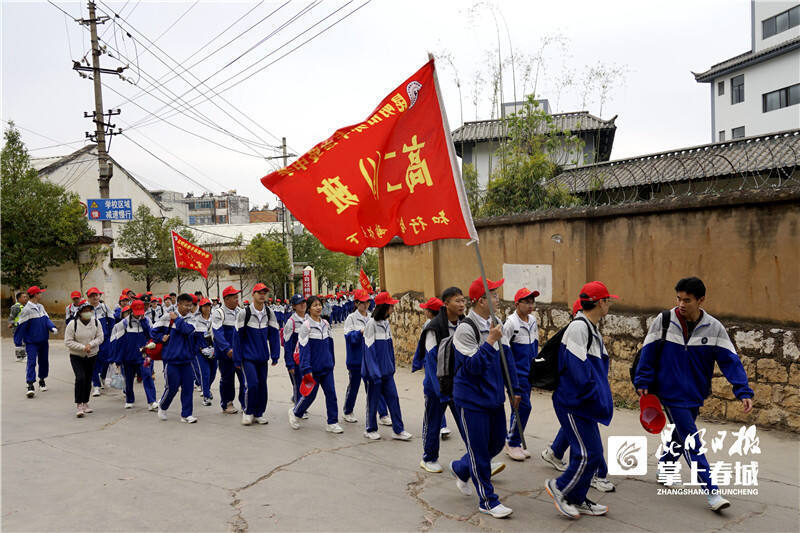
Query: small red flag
point(364, 280)
point(395, 173)
point(188, 255)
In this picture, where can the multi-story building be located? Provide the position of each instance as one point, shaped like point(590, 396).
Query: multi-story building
point(225, 208)
point(758, 92)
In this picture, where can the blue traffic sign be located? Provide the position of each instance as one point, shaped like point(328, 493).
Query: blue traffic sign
point(110, 209)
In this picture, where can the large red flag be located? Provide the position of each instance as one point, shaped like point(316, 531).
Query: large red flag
point(188, 255)
point(364, 280)
point(393, 174)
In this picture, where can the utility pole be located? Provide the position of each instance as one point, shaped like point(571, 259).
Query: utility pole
point(287, 215)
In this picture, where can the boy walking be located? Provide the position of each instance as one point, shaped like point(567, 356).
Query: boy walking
point(33, 328)
point(175, 331)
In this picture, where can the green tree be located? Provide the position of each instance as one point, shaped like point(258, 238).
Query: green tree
point(146, 239)
point(332, 268)
point(268, 261)
point(42, 223)
point(470, 177)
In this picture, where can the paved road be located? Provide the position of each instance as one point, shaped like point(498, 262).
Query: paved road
point(126, 470)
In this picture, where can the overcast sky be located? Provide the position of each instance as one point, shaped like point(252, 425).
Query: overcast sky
point(339, 76)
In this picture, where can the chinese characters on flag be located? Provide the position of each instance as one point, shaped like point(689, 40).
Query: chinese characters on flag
point(187, 255)
point(364, 280)
point(393, 174)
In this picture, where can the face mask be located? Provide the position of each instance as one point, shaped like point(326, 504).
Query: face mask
point(87, 315)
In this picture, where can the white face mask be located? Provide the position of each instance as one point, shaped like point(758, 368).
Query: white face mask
point(86, 315)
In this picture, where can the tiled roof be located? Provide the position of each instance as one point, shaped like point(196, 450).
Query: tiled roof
point(732, 158)
point(484, 130)
point(748, 58)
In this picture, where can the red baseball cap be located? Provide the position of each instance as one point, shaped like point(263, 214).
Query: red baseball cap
point(194, 298)
point(576, 306)
point(433, 304)
point(269, 299)
point(524, 293)
point(126, 309)
point(260, 287)
point(229, 291)
point(123, 296)
point(93, 290)
point(203, 301)
point(75, 294)
point(360, 295)
point(157, 299)
point(594, 291)
point(476, 288)
point(385, 298)
point(651, 416)
point(137, 306)
point(126, 291)
point(167, 296)
point(307, 385)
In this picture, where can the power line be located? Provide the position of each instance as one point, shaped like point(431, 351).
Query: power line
point(170, 166)
point(176, 21)
point(79, 141)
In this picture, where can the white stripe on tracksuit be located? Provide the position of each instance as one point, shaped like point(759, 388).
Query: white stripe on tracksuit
point(166, 387)
point(582, 465)
point(479, 483)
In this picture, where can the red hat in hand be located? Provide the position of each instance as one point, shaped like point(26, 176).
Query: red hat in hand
point(307, 385)
point(651, 416)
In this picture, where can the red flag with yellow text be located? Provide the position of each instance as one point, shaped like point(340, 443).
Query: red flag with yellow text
point(188, 255)
point(395, 173)
point(364, 280)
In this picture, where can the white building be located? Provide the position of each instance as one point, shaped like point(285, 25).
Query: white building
point(758, 92)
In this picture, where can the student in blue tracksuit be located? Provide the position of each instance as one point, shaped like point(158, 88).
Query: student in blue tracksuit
point(128, 337)
point(581, 401)
point(291, 355)
point(680, 373)
point(479, 393)
point(442, 325)
point(378, 367)
point(175, 331)
point(354, 326)
point(256, 343)
point(522, 333)
point(33, 328)
point(316, 362)
point(103, 315)
point(71, 311)
point(13, 322)
point(124, 301)
point(204, 348)
point(223, 325)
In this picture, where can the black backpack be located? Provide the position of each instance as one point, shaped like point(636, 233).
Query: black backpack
point(665, 320)
point(249, 313)
point(446, 361)
point(544, 372)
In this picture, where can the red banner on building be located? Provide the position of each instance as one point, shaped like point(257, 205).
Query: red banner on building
point(364, 280)
point(393, 174)
point(188, 255)
point(307, 288)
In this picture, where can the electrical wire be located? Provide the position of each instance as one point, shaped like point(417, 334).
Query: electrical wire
point(176, 21)
point(168, 165)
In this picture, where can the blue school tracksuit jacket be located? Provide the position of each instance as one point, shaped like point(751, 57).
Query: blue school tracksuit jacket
point(178, 349)
point(34, 325)
point(682, 375)
point(523, 341)
point(106, 318)
point(259, 339)
point(223, 326)
point(478, 384)
point(127, 339)
point(429, 360)
point(316, 349)
point(290, 331)
point(354, 339)
point(378, 360)
point(583, 388)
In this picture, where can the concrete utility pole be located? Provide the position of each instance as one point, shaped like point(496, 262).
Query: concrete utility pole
point(287, 217)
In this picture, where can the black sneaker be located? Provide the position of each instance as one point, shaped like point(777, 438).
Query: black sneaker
point(42, 385)
point(31, 391)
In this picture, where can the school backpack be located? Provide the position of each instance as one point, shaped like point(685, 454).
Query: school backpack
point(446, 360)
point(665, 320)
point(544, 372)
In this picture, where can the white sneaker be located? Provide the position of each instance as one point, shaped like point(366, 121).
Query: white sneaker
point(527, 453)
point(305, 416)
point(153, 407)
point(403, 435)
point(561, 504)
point(444, 433)
point(189, 419)
point(294, 422)
point(550, 458)
point(247, 419)
point(591, 508)
point(334, 428)
point(42, 386)
point(431, 466)
point(385, 420)
point(515, 452)
point(497, 468)
point(128, 406)
point(350, 418)
point(198, 388)
point(717, 503)
point(602, 484)
point(262, 420)
point(463, 486)
point(372, 435)
point(96, 391)
point(162, 414)
point(498, 511)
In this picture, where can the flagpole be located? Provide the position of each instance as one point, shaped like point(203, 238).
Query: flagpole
point(503, 360)
point(174, 255)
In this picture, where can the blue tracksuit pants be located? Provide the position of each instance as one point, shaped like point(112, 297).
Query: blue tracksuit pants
point(129, 371)
point(585, 455)
point(560, 445)
point(295, 386)
point(147, 381)
point(383, 390)
point(353, 385)
point(329, 388)
point(255, 387)
point(432, 422)
point(684, 420)
point(100, 367)
point(178, 376)
point(524, 410)
point(196, 371)
point(37, 351)
point(227, 382)
point(484, 435)
point(208, 371)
